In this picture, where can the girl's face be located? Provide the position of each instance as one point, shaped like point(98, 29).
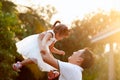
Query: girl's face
point(59, 37)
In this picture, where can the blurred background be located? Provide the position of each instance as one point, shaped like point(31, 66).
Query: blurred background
point(94, 24)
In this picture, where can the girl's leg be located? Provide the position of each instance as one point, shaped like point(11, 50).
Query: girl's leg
point(28, 61)
point(18, 65)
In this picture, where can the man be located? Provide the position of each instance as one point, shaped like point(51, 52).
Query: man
point(71, 70)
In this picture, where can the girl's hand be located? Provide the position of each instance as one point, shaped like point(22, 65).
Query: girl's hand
point(62, 52)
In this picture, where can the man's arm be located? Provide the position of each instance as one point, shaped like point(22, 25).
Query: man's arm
point(48, 58)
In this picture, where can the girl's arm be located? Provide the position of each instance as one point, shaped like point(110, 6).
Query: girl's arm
point(55, 50)
point(43, 38)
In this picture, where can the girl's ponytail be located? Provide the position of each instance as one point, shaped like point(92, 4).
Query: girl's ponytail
point(55, 24)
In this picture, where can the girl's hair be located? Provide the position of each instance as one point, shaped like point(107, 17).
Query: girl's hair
point(61, 29)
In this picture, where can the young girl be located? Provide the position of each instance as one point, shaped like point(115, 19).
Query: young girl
point(30, 46)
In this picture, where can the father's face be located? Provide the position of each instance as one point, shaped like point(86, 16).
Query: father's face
point(76, 56)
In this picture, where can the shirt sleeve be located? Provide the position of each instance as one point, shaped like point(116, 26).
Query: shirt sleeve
point(69, 71)
point(64, 66)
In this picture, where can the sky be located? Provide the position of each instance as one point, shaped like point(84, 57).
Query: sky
point(69, 10)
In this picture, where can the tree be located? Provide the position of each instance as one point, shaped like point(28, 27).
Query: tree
point(8, 28)
point(37, 20)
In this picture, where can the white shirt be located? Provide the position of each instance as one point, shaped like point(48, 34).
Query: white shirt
point(69, 71)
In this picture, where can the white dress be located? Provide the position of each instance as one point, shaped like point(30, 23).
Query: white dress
point(29, 48)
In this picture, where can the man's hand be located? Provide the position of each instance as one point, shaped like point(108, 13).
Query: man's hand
point(43, 51)
point(53, 74)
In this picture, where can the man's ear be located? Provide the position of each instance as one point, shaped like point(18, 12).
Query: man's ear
point(80, 60)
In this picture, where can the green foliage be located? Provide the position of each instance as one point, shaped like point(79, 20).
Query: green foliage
point(34, 21)
point(8, 26)
point(8, 6)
